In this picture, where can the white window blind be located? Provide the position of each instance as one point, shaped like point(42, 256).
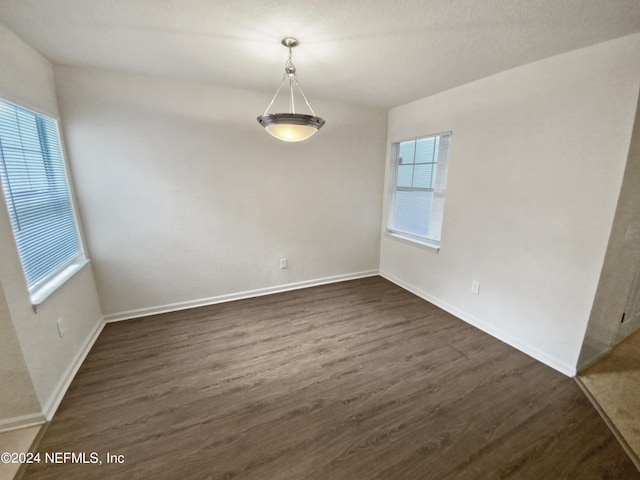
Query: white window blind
point(36, 191)
point(418, 188)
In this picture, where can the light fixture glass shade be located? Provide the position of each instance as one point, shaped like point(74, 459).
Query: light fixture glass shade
point(291, 127)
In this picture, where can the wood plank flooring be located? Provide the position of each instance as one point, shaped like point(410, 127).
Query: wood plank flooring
point(354, 380)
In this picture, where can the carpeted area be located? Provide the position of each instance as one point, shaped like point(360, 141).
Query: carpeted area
point(614, 382)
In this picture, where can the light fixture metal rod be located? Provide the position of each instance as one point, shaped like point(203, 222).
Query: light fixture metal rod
point(292, 102)
point(305, 97)
point(284, 77)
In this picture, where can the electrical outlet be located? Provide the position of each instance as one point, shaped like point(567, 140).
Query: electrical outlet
point(475, 287)
point(60, 324)
point(284, 263)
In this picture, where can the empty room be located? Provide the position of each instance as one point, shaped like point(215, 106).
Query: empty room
point(268, 239)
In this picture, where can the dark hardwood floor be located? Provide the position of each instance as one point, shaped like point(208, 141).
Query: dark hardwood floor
point(354, 380)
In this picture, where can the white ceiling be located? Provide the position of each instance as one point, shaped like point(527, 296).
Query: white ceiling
point(370, 52)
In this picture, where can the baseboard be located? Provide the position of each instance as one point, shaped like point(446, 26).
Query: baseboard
point(55, 398)
point(626, 331)
point(534, 352)
point(594, 358)
point(201, 302)
point(22, 421)
point(616, 433)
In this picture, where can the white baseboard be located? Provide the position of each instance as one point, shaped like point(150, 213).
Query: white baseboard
point(201, 302)
point(534, 352)
point(593, 358)
point(22, 421)
point(55, 398)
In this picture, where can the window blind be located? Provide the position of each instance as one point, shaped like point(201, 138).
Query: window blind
point(419, 187)
point(36, 192)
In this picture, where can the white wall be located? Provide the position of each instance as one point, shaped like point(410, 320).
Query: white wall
point(537, 160)
point(621, 265)
point(27, 78)
point(18, 400)
point(186, 199)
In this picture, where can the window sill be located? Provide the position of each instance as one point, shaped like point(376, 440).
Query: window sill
point(414, 241)
point(39, 295)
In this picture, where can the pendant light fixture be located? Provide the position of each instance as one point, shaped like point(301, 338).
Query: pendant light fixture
point(292, 126)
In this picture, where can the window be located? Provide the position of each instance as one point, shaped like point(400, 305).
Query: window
point(36, 191)
point(418, 186)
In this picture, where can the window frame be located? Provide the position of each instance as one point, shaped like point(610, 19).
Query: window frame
point(42, 288)
point(390, 230)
